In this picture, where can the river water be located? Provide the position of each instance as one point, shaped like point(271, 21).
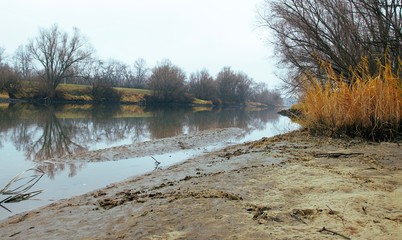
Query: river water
point(30, 135)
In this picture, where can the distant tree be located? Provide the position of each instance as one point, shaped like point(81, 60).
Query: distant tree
point(114, 73)
point(202, 85)
point(23, 63)
point(261, 94)
point(140, 73)
point(9, 79)
point(226, 85)
point(2, 57)
point(308, 33)
point(91, 71)
point(168, 83)
point(275, 98)
point(233, 88)
point(244, 87)
point(57, 52)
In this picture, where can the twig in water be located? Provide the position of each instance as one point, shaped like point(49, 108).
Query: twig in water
point(5, 208)
point(324, 230)
point(157, 163)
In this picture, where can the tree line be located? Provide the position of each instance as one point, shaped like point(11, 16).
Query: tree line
point(54, 57)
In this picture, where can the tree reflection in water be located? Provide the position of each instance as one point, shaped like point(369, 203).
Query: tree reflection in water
point(167, 122)
point(45, 133)
point(55, 140)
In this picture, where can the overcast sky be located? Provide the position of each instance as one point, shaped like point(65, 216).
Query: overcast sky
point(192, 34)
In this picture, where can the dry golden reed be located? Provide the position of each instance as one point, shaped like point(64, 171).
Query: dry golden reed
point(368, 105)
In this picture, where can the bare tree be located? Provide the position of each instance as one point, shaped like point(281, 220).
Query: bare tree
point(340, 32)
point(90, 71)
point(23, 63)
point(202, 85)
point(168, 83)
point(140, 73)
point(57, 53)
point(382, 26)
point(226, 85)
point(243, 87)
point(2, 57)
point(232, 87)
point(114, 73)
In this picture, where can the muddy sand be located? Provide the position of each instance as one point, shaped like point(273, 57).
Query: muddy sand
point(291, 186)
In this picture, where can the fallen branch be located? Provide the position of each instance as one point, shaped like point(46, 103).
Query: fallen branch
point(324, 230)
point(364, 210)
point(331, 212)
point(5, 208)
point(335, 154)
point(298, 218)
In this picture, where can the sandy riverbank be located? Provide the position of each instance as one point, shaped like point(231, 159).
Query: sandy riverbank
point(289, 186)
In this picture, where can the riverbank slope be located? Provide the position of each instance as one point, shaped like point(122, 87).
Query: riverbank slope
point(289, 186)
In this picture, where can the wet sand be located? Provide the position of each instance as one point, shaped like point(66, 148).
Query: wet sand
point(289, 186)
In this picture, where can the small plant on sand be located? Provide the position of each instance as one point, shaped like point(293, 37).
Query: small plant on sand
point(17, 189)
point(367, 105)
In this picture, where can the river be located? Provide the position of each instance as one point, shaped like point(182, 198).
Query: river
point(30, 135)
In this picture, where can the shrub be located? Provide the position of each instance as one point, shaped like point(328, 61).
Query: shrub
point(172, 99)
point(9, 82)
point(102, 94)
point(42, 91)
point(370, 106)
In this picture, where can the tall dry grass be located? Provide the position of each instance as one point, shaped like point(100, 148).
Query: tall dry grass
point(366, 105)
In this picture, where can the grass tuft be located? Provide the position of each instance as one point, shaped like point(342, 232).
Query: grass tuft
point(17, 189)
point(367, 105)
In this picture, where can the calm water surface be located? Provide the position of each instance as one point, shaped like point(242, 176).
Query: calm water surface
point(29, 135)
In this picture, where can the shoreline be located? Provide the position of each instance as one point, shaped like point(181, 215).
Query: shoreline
point(199, 140)
point(288, 186)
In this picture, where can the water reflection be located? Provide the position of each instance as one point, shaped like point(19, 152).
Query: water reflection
point(43, 133)
point(167, 122)
point(55, 140)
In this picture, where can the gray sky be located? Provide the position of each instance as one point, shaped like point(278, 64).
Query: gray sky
point(193, 34)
